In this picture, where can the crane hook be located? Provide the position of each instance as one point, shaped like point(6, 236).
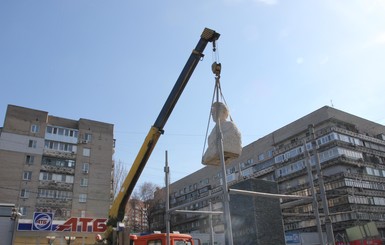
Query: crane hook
point(216, 68)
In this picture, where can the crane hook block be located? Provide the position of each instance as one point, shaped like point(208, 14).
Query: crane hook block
point(216, 68)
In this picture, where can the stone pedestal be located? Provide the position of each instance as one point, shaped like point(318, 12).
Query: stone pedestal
point(256, 220)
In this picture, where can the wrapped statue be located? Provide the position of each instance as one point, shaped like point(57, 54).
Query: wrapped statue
point(232, 143)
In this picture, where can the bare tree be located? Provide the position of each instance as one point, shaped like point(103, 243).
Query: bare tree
point(120, 173)
point(145, 194)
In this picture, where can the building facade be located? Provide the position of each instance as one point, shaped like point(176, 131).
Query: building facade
point(57, 166)
point(137, 216)
point(350, 152)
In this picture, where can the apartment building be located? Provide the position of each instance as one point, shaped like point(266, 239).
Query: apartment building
point(350, 151)
point(137, 216)
point(56, 171)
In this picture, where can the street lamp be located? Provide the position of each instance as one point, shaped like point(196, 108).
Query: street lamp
point(50, 239)
point(69, 239)
point(15, 215)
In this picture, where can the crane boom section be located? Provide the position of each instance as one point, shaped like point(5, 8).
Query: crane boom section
point(135, 171)
point(196, 55)
point(118, 206)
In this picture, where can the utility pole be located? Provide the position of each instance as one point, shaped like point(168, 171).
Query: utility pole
point(211, 221)
point(167, 180)
point(226, 195)
point(325, 206)
point(314, 194)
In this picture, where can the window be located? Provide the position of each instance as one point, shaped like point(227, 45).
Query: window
point(82, 197)
point(231, 170)
point(51, 193)
point(247, 172)
point(27, 175)
point(24, 193)
point(155, 242)
point(369, 171)
point(35, 128)
point(29, 159)
point(69, 179)
point(376, 172)
point(32, 143)
point(86, 152)
point(23, 211)
point(73, 133)
point(182, 242)
point(56, 177)
point(60, 131)
point(54, 194)
point(70, 163)
point(87, 137)
point(58, 162)
point(261, 157)
point(328, 154)
point(45, 176)
point(60, 146)
point(279, 158)
point(49, 129)
point(86, 167)
point(84, 182)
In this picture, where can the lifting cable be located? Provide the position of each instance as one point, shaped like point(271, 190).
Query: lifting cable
point(216, 68)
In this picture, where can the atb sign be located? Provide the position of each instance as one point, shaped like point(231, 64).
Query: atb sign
point(45, 222)
point(83, 225)
point(42, 221)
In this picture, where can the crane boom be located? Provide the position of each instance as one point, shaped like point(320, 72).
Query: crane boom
point(118, 206)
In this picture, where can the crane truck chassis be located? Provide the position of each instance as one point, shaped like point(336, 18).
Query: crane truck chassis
point(160, 238)
point(118, 207)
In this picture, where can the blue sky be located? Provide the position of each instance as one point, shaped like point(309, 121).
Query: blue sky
point(116, 62)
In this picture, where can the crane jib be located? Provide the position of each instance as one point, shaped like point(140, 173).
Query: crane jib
point(196, 55)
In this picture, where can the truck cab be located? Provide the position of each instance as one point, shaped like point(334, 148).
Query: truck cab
point(161, 239)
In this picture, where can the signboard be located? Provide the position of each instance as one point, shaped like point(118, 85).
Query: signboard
point(45, 222)
point(42, 221)
point(292, 238)
point(362, 231)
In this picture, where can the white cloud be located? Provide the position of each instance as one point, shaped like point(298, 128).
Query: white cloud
point(378, 39)
point(372, 6)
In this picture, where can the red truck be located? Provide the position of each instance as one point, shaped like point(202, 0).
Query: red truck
point(161, 239)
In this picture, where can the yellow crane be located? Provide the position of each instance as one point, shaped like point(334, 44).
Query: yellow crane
point(118, 207)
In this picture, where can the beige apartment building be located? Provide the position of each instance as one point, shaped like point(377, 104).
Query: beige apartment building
point(58, 174)
point(136, 216)
point(350, 151)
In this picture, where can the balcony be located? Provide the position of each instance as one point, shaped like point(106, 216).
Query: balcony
point(59, 154)
point(59, 170)
point(54, 203)
point(51, 184)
